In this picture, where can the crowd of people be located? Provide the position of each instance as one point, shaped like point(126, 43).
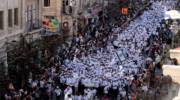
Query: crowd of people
point(115, 65)
point(106, 63)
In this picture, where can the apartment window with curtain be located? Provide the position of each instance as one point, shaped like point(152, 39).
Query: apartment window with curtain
point(46, 3)
point(10, 18)
point(1, 20)
point(16, 16)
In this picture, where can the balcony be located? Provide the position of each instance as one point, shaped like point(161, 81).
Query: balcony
point(34, 25)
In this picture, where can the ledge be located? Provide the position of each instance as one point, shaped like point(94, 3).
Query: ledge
point(173, 71)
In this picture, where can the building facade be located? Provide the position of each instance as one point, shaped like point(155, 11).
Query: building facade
point(10, 26)
point(26, 17)
point(72, 11)
point(51, 15)
point(17, 17)
point(67, 12)
point(31, 18)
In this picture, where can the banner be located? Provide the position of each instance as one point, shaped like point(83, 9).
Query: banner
point(51, 25)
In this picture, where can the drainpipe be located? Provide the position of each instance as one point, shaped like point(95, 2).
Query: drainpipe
point(21, 15)
point(5, 62)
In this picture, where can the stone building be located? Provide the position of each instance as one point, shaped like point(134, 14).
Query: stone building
point(26, 17)
point(67, 12)
point(17, 17)
point(51, 8)
point(79, 11)
point(10, 26)
point(31, 18)
point(51, 15)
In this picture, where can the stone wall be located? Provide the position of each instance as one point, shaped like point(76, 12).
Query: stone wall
point(53, 9)
point(4, 6)
point(9, 33)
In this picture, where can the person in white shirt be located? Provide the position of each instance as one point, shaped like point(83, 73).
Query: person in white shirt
point(67, 91)
point(69, 97)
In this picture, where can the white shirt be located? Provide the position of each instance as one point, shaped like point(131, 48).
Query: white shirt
point(58, 91)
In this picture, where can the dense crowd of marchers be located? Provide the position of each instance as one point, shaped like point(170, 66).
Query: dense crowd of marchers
point(107, 62)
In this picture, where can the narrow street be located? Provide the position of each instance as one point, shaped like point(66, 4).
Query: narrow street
point(90, 50)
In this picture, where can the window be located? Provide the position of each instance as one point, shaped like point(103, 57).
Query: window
point(64, 7)
point(67, 2)
point(10, 18)
point(46, 3)
point(1, 20)
point(16, 16)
